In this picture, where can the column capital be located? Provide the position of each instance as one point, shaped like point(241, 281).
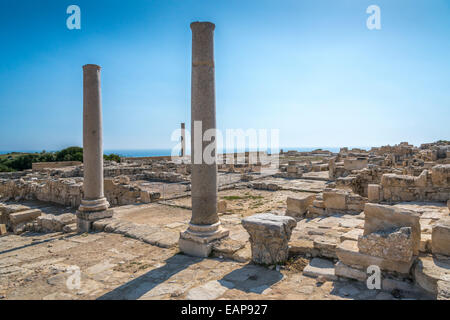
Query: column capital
point(198, 25)
point(91, 66)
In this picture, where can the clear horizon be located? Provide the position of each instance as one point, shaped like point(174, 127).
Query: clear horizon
point(310, 69)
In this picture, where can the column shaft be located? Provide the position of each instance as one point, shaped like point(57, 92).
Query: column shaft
point(203, 108)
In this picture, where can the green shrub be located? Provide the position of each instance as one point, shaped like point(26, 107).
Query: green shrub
point(112, 157)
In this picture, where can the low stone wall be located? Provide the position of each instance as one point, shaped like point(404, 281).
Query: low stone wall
point(69, 191)
point(428, 186)
point(37, 166)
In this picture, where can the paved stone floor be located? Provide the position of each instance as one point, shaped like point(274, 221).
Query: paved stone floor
point(140, 258)
point(111, 266)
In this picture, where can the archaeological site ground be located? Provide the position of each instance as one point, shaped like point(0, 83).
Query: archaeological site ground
point(202, 224)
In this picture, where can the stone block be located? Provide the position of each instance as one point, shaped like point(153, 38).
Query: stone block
point(297, 206)
point(393, 244)
point(440, 237)
point(429, 270)
point(425, 243)
point(302, 247)
point(269, 237)
point(355, 163)
point(2, 229)
point(335, 200)
point(383, 217)
point(222, 206)
point(352, 235)
point(24, 216)
point(318, 267)
point(342, 270)
point(348, 253)
point(440, 175)
point(373, 192)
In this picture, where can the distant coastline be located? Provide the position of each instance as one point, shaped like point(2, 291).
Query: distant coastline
point(167, 152)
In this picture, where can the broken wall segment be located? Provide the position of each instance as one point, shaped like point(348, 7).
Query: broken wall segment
point(382, 217)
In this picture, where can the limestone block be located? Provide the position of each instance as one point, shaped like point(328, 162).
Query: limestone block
point(318, 267)
point(355, 164)
point(440, 175)
point(429, 270)
point(292, 169)
point(318, 204)
point(24, 216)
point(352, 235)
point(440, 237)
point(373, 192)
point(443, 289)
point(335, 199)
point(393, 244)
point(348, 253)
point(342, 270)
point(425, 243)
point(269, 237)
point(299, 205)
point(221, 206)
point(303, 247)
point(383, 217)
point(2, 229)
point(145, 197)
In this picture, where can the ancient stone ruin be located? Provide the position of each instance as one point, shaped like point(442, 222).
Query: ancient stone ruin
point(353, 224)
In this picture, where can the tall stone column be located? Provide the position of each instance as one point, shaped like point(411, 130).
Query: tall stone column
point(183, 140)
point(94, 205)
point(204, 227)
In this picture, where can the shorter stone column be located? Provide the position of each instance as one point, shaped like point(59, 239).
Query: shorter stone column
point(183, 140)
point(269, 237)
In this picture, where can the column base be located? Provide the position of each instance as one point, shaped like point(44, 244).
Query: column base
point(100, 204)
point(85, 219)
point(198, 240)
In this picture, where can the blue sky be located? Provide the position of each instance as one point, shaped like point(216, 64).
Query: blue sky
point(309, 68)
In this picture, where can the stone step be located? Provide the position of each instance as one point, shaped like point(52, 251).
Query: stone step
point(318, 267)
point(428, 270)
point(349, 254)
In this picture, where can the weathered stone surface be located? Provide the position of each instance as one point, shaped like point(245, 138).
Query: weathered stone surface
point(429, 270)
point(51, 223)
point(393, 244)
point(352, 235)
point(269, 237)
point(342, 270)
point(24, 216)
point(326, 246)
point(303, 247)
point(3, 229)
point(383, 217)
point(349, 254)
point(440, 237)
point(443, 289)
point(318, 267)
point(210, 290)
point(373, 192)
point(222, 206)
point(297, 206)
point(335, 200)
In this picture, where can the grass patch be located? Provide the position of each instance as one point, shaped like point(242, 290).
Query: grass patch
point(231, 198)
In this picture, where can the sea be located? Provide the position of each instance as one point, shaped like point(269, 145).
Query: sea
point(168, 152)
